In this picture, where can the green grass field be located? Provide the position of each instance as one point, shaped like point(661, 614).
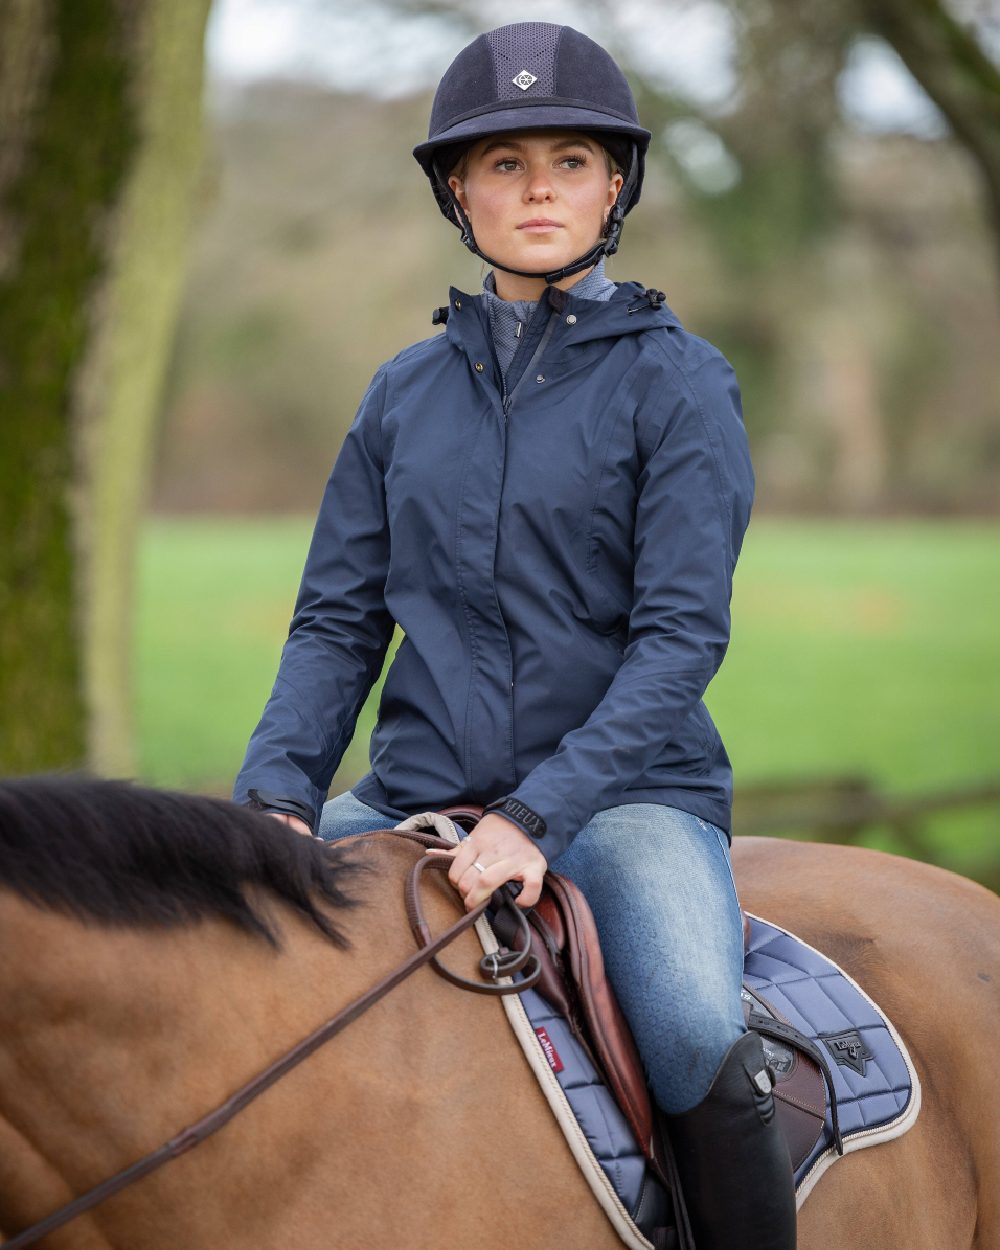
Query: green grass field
point(870, 648)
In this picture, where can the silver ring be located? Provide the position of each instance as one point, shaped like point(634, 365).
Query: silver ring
point(476, 864)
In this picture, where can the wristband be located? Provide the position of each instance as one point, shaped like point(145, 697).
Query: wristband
point(261, 802)
point(518, 812)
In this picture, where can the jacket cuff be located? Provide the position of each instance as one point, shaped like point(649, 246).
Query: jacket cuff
point(259, 801)
point(519, 813)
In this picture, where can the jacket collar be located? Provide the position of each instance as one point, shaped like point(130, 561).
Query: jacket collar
point(631, 310)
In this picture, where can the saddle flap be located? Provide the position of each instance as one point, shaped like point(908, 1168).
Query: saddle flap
point(548, 943)
point(800, 1106)
point(548, 912)
point(610, 1034)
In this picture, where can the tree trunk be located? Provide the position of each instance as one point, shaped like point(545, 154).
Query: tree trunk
point(100, 113)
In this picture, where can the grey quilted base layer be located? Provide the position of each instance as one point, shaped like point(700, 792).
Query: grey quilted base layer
point(811, 992)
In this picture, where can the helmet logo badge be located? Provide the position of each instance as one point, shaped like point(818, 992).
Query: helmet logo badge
point(524, 80)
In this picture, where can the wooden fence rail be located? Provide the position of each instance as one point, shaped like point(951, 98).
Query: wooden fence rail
point(845, 809)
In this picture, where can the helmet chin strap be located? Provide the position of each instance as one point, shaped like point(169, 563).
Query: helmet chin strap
point(606, 246)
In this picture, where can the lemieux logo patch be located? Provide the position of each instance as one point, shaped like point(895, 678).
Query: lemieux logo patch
point(848, 1049)
point(551, 1054)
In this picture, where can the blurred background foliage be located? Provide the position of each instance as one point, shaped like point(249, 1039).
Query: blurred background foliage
point(848, 274)
point(843, 254)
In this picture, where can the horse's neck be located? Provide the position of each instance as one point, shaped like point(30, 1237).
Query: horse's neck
point(121, 1038)
point(114, 1039)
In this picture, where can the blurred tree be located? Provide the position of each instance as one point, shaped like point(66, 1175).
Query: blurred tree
point(838, 260)
point(944, 56)
point(802, 44)
point(100, 113)
point(796, 254)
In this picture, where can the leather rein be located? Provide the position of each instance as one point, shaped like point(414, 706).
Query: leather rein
point(495, 966)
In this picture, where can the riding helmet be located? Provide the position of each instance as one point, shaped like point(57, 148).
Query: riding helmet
point(530, 76)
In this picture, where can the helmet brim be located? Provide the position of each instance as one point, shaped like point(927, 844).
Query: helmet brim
point(532, 117)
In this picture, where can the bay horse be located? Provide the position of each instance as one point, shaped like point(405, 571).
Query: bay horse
point(157, 950)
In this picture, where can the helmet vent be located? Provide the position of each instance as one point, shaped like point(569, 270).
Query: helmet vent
point(525, 44)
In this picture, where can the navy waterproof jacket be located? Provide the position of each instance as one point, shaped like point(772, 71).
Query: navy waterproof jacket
point(558, 552)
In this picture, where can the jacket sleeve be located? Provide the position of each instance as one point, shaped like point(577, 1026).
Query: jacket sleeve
point(695, 493)
point(339, 634)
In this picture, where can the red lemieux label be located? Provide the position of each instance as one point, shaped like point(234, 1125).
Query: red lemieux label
point(551, 1054)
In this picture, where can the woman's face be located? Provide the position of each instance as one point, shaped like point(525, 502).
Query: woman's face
point(536, 199)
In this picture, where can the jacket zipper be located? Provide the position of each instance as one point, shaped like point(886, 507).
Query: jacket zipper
point(542, 344)
point(505, 404)
point(507, 401)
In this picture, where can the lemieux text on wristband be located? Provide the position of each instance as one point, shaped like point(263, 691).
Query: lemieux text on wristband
point(521, 812)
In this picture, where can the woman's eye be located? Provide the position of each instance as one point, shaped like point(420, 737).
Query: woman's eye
point(508, 164)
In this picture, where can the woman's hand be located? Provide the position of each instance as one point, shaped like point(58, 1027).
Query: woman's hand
point(503, 853)
point(293, 822)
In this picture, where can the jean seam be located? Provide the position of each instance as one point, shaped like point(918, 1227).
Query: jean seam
point(724, 847)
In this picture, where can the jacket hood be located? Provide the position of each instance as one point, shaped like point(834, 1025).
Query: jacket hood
point(631, 310)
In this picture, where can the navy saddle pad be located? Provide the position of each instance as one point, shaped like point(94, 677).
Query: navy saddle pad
point(876, 1087)
point(875, 1084)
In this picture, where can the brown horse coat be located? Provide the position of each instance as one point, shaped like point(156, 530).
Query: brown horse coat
point(421, 1125)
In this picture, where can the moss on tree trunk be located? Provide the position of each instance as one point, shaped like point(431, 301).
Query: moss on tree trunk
point(100, 115)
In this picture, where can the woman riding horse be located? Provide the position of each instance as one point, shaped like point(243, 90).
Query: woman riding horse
point(159, 953)
point(549, 499)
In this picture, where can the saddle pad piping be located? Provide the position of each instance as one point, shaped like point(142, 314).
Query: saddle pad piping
point(884, 1132)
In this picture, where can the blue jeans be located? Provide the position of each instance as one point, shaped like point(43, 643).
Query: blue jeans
point(660, 885)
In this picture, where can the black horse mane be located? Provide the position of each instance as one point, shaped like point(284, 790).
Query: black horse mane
point(120, 854)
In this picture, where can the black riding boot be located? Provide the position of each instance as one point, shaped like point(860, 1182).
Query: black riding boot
point(734, 1168)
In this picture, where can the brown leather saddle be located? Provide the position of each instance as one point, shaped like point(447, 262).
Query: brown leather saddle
point(564, 940)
